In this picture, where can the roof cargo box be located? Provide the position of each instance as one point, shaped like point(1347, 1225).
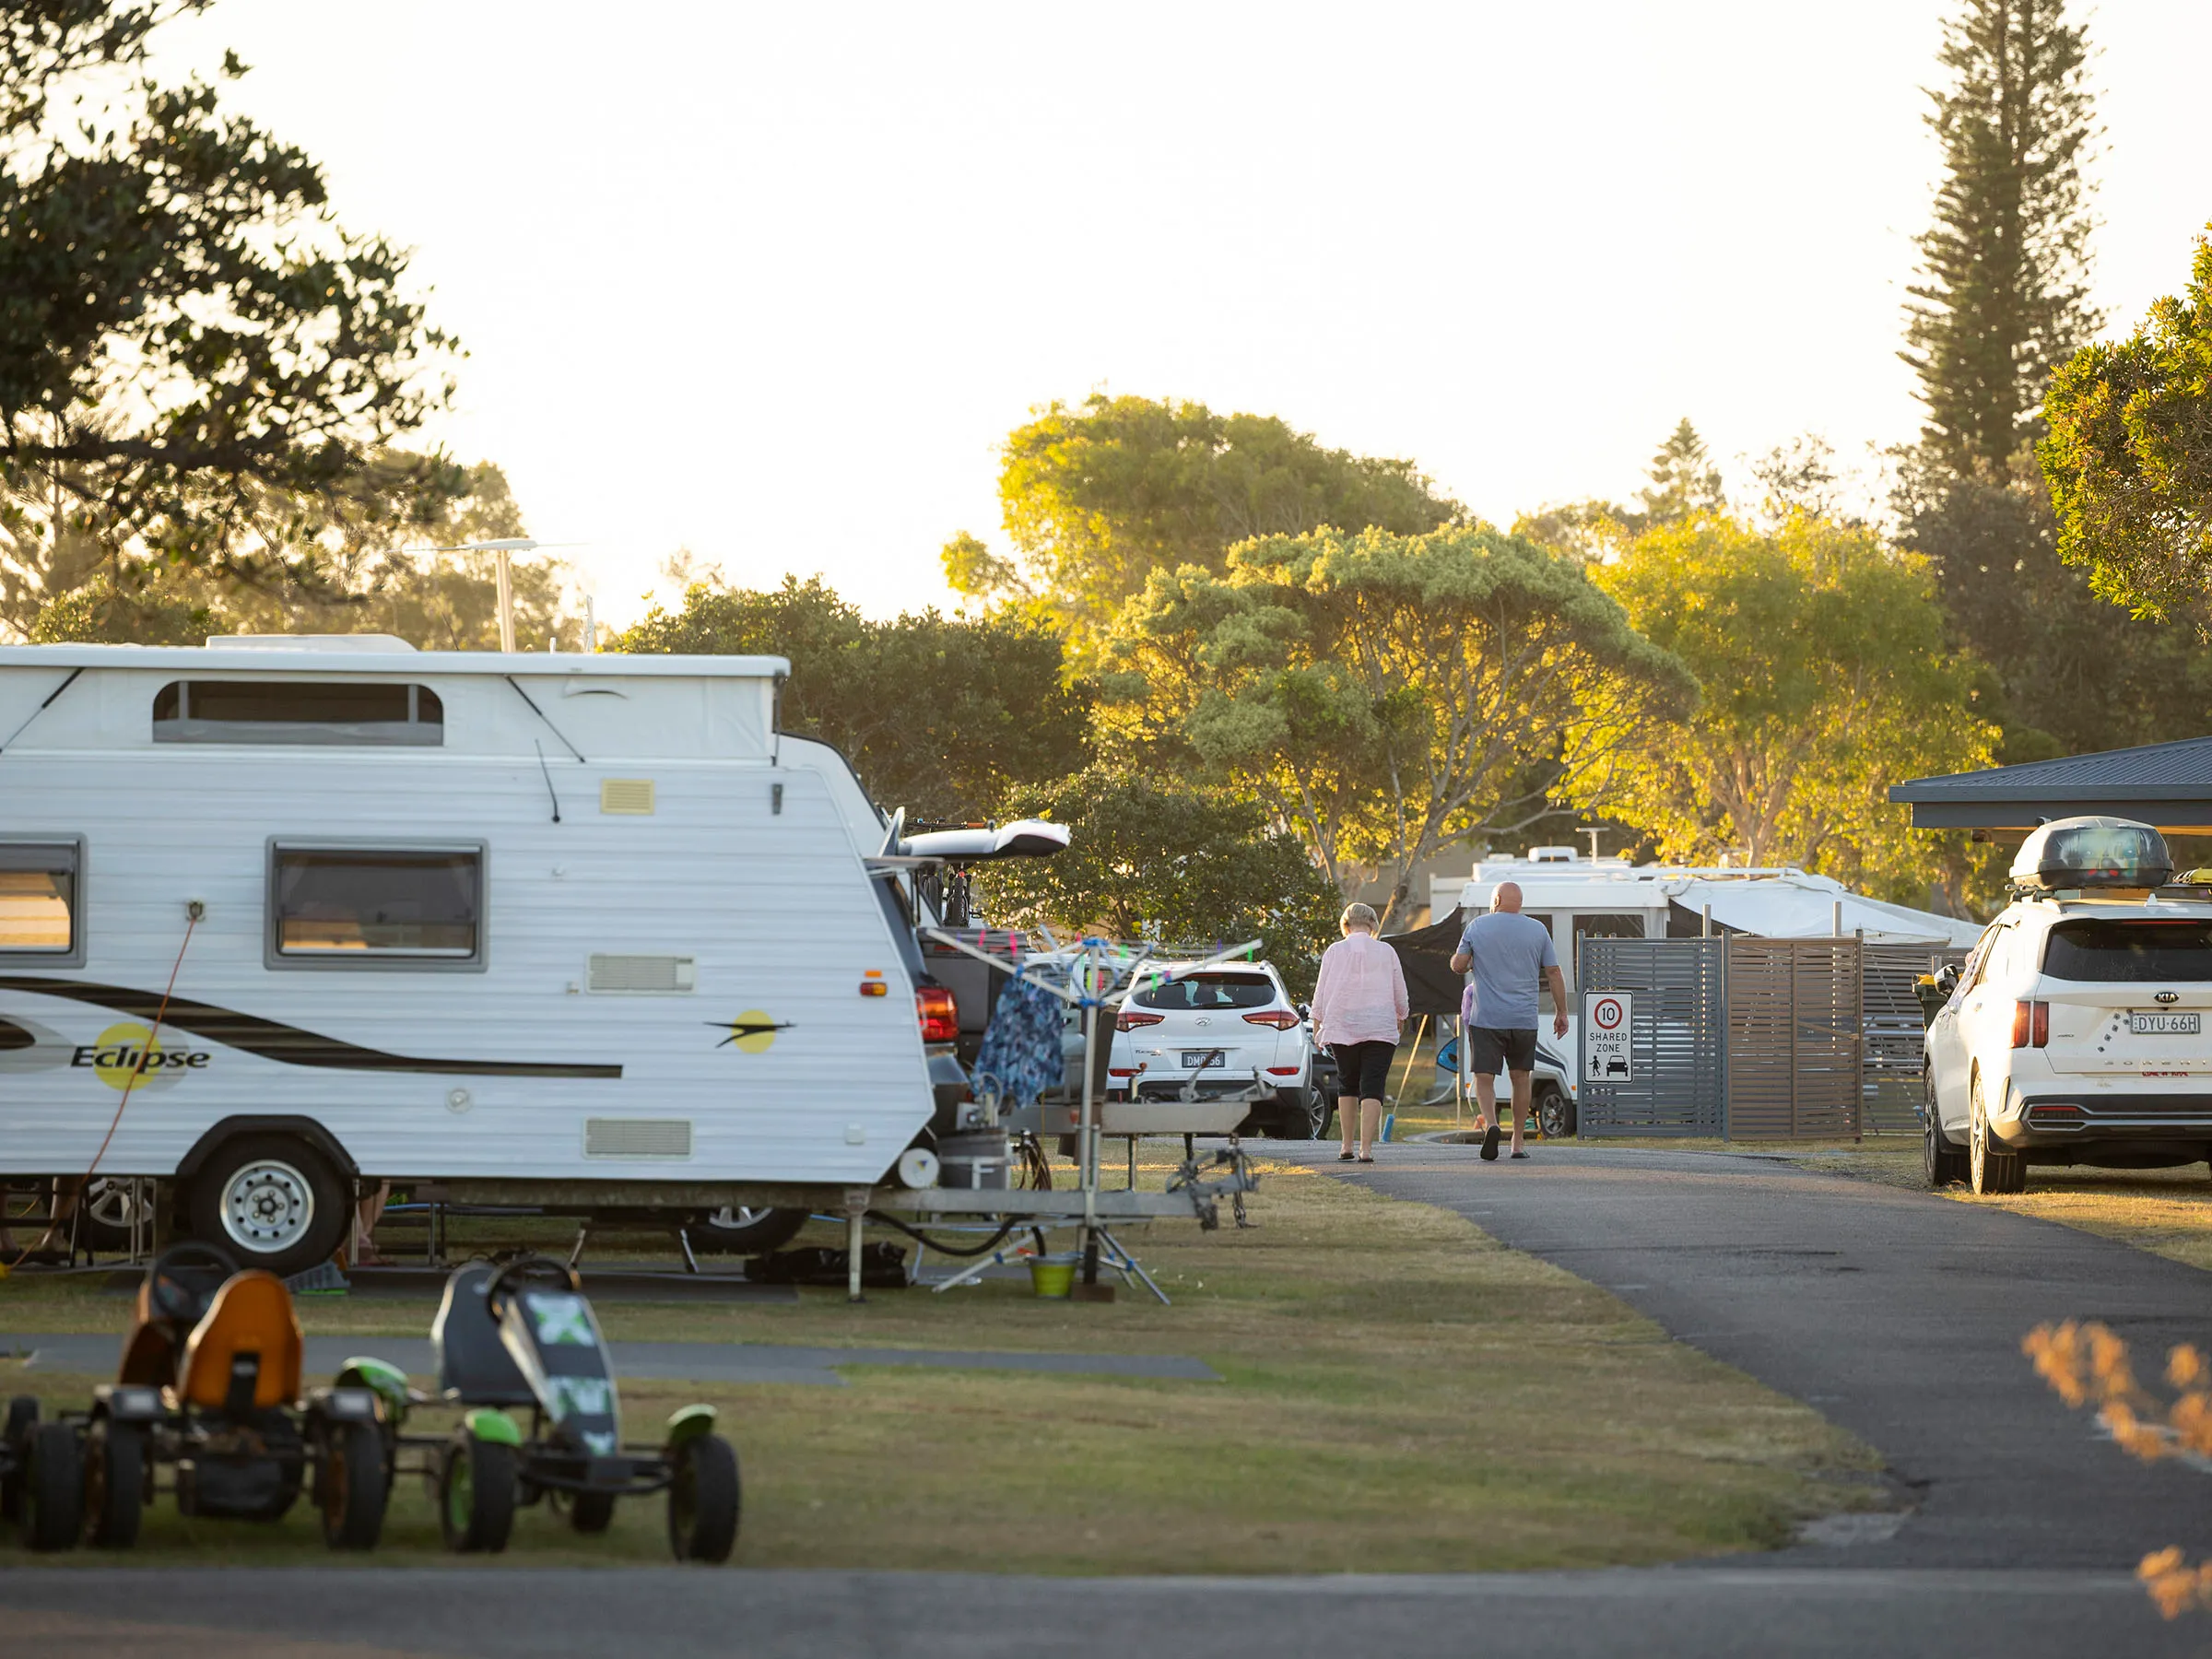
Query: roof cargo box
point(2080, 854)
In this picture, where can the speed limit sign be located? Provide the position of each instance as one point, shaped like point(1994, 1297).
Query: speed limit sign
point(1605, 1025)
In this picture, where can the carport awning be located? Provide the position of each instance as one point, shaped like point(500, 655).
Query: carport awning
point(1783, 910)
point(2168, 784)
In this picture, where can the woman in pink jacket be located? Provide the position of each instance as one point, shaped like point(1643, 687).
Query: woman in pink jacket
point(1359, 1005)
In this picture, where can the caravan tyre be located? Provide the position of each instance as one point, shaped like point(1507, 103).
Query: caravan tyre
point(738, 1230)
point(1555, 1112)
point(270, 1200)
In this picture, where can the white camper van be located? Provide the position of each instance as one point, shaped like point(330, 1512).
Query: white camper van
point(282, 918)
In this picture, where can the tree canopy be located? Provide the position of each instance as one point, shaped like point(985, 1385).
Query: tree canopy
point(1388, 694)
point(1153, 858)
point(1099, 497)
point(196, 360)
point(940, 715)
point(1827, 679)
point(2129, 457)
point(2002, 295)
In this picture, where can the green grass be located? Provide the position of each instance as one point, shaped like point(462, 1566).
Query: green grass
point(1400, 1393)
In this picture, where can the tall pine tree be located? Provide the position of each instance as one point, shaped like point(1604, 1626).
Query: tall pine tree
point(2002, 301)
point(2005, 267)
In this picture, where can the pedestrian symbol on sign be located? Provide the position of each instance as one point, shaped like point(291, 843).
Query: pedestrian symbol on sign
point(1606, 1027)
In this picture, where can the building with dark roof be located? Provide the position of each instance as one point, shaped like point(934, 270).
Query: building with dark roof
point(2168, 784)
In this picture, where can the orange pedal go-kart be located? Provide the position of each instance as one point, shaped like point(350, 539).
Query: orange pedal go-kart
point(210, 1388)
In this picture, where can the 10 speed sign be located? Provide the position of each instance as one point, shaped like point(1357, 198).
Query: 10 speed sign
point(1605, 1037)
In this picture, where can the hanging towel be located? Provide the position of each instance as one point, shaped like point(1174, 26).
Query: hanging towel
point(1021, 1055)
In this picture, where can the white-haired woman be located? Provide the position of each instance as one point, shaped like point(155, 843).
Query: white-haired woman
point(1359, 1006)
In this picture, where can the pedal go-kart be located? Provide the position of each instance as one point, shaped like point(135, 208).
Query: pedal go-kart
point(523, 1335)
point(210, 1387)
point(42, 1477)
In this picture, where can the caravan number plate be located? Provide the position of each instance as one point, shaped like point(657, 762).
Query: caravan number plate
point(1199, 1059)
point(2166, 1025)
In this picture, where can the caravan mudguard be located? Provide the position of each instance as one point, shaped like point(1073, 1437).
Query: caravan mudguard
point(306, 1129)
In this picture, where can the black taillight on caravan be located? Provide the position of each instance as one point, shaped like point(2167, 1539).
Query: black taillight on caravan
point(939, 1015)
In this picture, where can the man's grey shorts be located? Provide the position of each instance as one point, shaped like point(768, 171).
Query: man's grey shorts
point(1489, 1048)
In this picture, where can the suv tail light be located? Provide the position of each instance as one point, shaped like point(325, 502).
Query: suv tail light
point(1282, 1019)
point(2030, 1024)
point(939, 1015)
point(1128, 1019)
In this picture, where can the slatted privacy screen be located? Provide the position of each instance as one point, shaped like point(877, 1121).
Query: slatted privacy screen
point(1748, 1037)
point(1677, 1061)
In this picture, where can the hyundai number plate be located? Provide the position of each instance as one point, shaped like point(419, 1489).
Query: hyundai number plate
point(1199, 1059)
point(2166, 1025)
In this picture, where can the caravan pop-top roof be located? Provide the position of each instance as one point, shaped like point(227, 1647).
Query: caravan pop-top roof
point(373, 692)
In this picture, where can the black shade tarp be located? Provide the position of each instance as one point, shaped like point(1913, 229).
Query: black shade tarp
point(1425, 957)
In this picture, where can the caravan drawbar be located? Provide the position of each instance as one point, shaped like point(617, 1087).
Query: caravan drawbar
point(280, 919)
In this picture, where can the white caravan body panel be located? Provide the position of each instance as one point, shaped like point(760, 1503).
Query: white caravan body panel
point(733, 1043)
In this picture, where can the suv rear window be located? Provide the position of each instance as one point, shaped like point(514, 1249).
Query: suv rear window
point(2129, 951)
point(1208, 991)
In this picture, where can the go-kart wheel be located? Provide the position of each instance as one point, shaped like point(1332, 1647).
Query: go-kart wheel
point(476, 1495)
point(14, 1454)
point(115, 1458)
point(703, 1498)
point(350, 1485)
point(54, 1489)
point(590, 1512)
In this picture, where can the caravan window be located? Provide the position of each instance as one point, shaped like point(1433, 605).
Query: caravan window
point(297, 711)
point(38, 904)
point(377, 906)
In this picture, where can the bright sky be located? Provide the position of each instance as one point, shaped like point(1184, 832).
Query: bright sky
point(772, 281)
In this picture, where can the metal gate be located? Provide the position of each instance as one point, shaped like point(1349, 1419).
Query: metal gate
point(1795, 1029)
point(1746, 1038)
point(1678, 1062)
point(1894, 1027)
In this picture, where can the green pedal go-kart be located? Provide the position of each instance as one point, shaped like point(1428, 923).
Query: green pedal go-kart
point(523, 1338)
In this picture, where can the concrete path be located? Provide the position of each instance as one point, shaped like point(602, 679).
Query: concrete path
point(678, 1362)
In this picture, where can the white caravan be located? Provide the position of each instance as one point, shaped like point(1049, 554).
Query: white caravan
point(584, 925)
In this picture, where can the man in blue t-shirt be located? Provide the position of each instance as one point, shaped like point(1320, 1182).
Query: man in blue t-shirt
point(1508, 953)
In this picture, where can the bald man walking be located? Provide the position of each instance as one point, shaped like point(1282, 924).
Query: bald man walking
point(1508, 953)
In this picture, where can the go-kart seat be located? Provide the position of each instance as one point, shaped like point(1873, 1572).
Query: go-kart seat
point(474, 1366)
point(245, 1355)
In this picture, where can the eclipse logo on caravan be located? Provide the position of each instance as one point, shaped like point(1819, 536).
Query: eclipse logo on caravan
point(127, 1052)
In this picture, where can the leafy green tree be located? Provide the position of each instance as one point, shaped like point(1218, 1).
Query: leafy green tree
point(2005, 267)
point(1827, 678)
point(1386, 694)
point(2129, 457)
point(2065, 671)
point(940, 715)
point(1156, 858)
point(194, 355)
point(1098, 498)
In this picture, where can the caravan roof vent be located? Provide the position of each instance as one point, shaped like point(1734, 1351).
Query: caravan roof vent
point(348, 643)
point(1552, 855)
point(2084, 852)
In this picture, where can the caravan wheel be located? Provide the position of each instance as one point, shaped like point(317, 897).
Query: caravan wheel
point(737, 1230)
point(271, 1201)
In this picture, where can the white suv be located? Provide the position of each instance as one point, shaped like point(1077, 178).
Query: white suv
point(1220, 1031)
point(2076, 1031)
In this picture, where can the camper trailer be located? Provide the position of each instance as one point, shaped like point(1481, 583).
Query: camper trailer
point(280, 919)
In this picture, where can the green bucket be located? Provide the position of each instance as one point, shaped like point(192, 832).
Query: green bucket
point(1053, 1275)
